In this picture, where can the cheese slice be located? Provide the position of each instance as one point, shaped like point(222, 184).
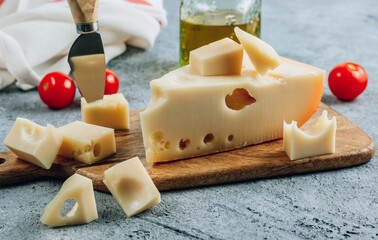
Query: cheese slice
point(319, 139)
point(261, 54)
point(131, 186)
point(34, 143)
point(191, 115)
point(112, 111)
point(86, 142)
point(80, 189)
point(222, 57)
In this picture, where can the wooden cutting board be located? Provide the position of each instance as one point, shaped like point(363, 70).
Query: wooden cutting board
point(353, 147)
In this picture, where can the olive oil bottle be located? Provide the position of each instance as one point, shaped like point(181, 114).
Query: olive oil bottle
point(205, 27)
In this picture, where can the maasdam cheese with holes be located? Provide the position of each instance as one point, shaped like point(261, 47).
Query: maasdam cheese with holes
point(191, 115)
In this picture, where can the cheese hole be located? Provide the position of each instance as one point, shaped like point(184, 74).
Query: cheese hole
point(184, 143)
point(32, 133)
point(131, 191)
point(166, 145)
point(157, 94)
point(157, 136)
point(230, 138)
point(274, 75)
point(69, 208)
point(27, 129)
point(238, 99)
point(96, 149)
point(2, 160)
point(87, 148)
point(208, 138)
point(158, 91)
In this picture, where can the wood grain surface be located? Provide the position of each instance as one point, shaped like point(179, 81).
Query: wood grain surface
point(353, 147)
point(84, 11)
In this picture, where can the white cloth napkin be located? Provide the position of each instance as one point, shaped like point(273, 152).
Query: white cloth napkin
point(36, 35)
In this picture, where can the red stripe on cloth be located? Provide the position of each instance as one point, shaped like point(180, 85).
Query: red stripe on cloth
point(137, 2)
point(1, 2)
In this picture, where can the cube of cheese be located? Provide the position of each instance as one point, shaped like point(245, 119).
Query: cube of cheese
point(112, 111)
point(34, 143)
point(86, 142)
point(131, 186)
point(261, 54)
point(223, 57)
point(80, 189)
point(191, 115)
point(317, 140)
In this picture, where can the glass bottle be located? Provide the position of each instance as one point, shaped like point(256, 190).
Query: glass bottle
point(205, 21)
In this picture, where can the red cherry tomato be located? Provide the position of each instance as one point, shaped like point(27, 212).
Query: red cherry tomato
point(347, 80)
point(111, 83)
point(57, 90)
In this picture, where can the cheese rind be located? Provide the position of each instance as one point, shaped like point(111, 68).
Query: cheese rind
point(80, 189)
point(34, 143)
point(191, 115)
point(317, 140)
point(222, 57)
point(112, 111)
point(86, 142)
point(261, 54)
point(131, 186)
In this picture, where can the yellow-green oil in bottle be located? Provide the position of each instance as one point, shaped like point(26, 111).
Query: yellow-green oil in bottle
point(204, 28)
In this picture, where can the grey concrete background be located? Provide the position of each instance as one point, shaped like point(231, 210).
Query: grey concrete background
point(341, 204)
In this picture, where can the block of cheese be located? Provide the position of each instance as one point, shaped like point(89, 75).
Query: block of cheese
point(34, 143)
point(131, 186)
point(86, 142)
point(317, 140)
point(191, 115)
point(112, 111)
point(223, 57)
point(261, 54)
point(79, 189)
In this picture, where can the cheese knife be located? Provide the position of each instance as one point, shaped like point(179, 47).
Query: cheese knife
point(86, 56)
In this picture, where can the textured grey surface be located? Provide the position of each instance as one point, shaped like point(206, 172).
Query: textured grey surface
point(338, 204)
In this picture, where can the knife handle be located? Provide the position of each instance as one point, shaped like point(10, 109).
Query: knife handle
point(85, 15)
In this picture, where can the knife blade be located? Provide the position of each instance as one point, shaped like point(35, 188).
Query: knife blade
point(86, 56)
